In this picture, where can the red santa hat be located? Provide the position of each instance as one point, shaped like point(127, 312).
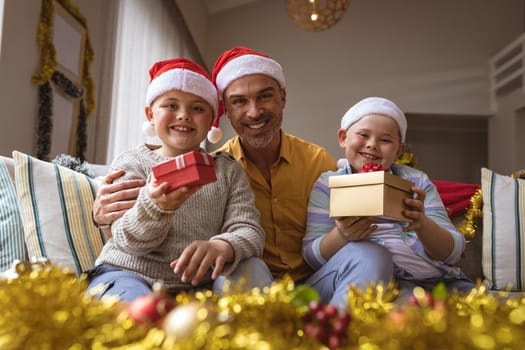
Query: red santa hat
point(234, 64)
point(375, 105)
point(180, 74)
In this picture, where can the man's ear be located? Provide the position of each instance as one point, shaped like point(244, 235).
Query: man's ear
point(283, 96)
point(341, 137)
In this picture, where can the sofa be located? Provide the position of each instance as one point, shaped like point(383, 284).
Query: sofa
point(46, 208)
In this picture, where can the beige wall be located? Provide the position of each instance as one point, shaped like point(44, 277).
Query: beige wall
point(1, 23)
point(19, 60)
point(507, 132)
point(431, 57)
point(194, 12)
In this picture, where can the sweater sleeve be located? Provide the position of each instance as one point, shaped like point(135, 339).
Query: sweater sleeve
point(241, 218)
point(144, 227)
point(318, 222)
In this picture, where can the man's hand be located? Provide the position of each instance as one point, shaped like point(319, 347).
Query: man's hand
point(113, 200)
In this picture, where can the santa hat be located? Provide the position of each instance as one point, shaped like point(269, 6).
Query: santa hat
point(180, 74)
point(375, 105)
point(234, 64)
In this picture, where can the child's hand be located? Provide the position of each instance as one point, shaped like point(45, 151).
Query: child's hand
point(169, 200)
point(199, 256)
point(416, 210)
point(355, 228)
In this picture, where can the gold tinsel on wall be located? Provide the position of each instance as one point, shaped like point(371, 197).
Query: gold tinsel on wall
point(45, 308)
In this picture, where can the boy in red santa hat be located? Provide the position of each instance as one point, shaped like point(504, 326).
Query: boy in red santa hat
point(183, 237)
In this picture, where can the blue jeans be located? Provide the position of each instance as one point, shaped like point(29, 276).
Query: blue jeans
point(106, 280)
point(109, 280)
point(358, 263)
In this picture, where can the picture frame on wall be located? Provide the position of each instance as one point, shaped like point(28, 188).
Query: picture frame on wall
point(69, 42)
point(65, 85)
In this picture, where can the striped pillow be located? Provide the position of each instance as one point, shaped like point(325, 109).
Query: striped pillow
point(503, 257)
point(11, 229)
point(56, 205)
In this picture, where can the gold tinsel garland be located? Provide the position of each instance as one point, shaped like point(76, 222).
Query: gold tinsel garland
point(48, 53)
point(473, 214)
point(46, 308)
point(407, 158)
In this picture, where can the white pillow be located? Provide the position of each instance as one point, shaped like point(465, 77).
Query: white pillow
point(11, 230)
point(503, 257)
point(56, 205)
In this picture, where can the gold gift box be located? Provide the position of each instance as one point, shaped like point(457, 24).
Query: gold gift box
point(376, 193)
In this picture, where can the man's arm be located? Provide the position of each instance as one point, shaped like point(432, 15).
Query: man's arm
point(113, 200)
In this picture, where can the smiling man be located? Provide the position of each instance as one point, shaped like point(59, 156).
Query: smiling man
point(252, 91)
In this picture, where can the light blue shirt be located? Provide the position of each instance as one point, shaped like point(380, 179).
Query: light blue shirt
point(388, 233)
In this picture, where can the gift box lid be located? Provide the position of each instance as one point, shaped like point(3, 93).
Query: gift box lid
point(370, 178)
point(182, 161)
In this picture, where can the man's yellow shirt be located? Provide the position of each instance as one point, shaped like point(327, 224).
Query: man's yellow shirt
point(283, 203)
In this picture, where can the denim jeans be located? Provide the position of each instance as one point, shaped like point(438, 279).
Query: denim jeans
point(109, 280)
point(358, 263)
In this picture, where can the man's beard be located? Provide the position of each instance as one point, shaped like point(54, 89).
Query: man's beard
point(263, 140)
point(259, 141)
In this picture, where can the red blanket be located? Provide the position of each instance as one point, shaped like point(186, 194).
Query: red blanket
point(456, 196)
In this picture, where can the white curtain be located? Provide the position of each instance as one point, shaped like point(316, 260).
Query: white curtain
point(147, 31)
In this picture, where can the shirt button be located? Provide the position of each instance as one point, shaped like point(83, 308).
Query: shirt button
point(275, 199)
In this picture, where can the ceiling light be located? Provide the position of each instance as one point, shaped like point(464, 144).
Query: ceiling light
point(316, 15)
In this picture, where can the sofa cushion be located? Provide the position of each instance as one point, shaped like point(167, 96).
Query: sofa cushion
point(503, 256)
point(56, 205)
point(11, 228)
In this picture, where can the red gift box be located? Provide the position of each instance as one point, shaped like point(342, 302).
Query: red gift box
point(192, 168)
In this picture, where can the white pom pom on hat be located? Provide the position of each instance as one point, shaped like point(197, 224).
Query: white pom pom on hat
point(215, 133)
point(148, 129)
point(375, 105)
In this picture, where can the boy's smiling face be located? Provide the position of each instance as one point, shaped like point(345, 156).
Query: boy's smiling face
point(374, 139)
point(181, 120)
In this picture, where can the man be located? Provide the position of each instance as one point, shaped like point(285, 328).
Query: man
point(281, 168)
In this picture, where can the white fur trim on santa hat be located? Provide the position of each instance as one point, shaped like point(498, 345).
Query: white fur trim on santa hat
point(246, 65)
point(375, 105)
point(185, 80)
